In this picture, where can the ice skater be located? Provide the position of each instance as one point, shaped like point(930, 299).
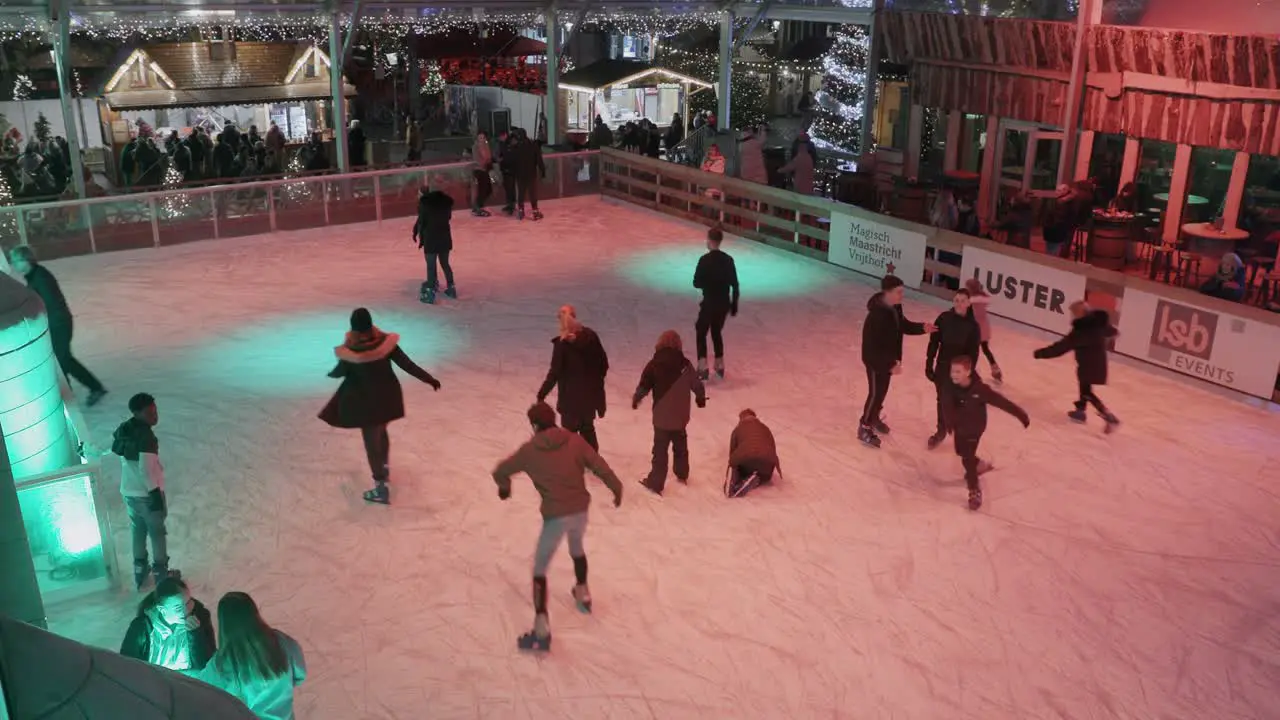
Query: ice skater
point(956, 334)
point(717, 277)
point(753, 456)
point(482, 155)
point(142, 487)
point(579, 365)
point(671, 378)
point(882, 334)
point(530, 170)
point(434, 235)
point(505, 154)
point(554, 459)
point(44, 284)
point(965, 403)
point(370, 397)
point(1090, 331)
point(980, 301)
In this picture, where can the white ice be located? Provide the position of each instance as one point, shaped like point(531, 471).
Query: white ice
point(1132, 576)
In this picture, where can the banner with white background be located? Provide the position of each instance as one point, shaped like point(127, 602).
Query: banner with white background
point(876, 249)
point(1207, 344)
point(1025, 291)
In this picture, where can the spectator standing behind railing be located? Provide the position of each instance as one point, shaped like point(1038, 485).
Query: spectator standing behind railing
point(355, 144)
point(601, 135)
point(275, 139)
point(751, 158)
point(675, 133)
point(803, 158)
point(413, 142)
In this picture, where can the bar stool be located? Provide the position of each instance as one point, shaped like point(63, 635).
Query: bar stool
point(1147, 239)
point(1080, 244)
point(1162, 259)
point(1270, 289)
point(1256, 266)
point(1188, 267)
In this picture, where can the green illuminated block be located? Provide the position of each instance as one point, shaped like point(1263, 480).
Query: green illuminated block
point(36, 431)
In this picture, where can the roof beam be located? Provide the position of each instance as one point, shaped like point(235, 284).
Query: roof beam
point(838, 15)
point(341, 62)
point(751, 27)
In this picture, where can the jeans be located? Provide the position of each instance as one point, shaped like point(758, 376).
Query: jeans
point(553, 531)
point(60, 338)
point(678, 442)
point(377, 448)
point(443, 257)
point(585, 428)
point(877, 390)
point(146, 518)
point(711, 318)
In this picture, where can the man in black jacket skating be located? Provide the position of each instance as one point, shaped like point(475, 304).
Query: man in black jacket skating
point(530, 170)
point(717, 277)
point(44, 284)
point(1090, 331)
point(505, 154)
point(882, 333)
point(965, 403)
point(434, 235)
point(957, 334)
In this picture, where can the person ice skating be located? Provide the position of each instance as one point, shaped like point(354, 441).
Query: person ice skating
point(717, 277)
point(171, 629)
point(254, 662)
point(579, 365)
point(505, 154)
point(434, 235)
point(482, 155)
point(44, 284)
point(753, 455)
point(882, 334)
point(956, 334)
point(370, 397)
point(980, 301)
point(142, 487)
point(965, 403)
point(555, 460)
point(530, 170)
point(1090, 331)
point(671, 378)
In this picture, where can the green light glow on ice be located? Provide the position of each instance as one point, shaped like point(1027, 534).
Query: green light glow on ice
point(764, 272)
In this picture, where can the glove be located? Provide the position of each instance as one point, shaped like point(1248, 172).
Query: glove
point(635, 404)
point(617, 500)
point(504, 493)
point(733, 310)
point(928, 373)
point(435, 385)
point(1026, 422)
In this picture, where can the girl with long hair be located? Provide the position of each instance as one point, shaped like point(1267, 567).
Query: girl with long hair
point(255, 662)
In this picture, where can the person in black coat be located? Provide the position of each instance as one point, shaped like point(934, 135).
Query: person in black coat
point(956, 334)
point(882, 334)
point(44, 284)
point(370, 397)
point(717, 277)
point(171, 630)
point(434, 235)
point(579, 365)
point(965, 403)
point(356, 144)
point(1091, 330)
point(530, 170)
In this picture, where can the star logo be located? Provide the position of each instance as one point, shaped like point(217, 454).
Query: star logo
point(889, 267)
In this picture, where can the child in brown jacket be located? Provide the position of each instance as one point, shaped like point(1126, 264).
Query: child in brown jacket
point(753, 455)
point(671, 378)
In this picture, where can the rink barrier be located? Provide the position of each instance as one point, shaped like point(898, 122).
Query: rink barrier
point(156, 219)
point(1233, 345)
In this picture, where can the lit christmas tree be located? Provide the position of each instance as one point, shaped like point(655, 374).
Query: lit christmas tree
point(23, 87)
point(177, 204)
point(433, 83)
point(746, 94)
point(42, 130)
point(837, 122)
point(8, 220)
point(296, 191)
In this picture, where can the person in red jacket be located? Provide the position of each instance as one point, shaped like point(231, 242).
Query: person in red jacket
point(965, 406)
point(554, 459)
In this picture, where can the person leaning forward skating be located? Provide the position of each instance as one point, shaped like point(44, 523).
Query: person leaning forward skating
point(717, 277)
point(370, 397)
point(555, 460)
point(579, 365)
point(882, 334)
point(434, 235)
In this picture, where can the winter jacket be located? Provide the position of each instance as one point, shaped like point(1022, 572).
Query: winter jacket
point(752, 445)
point(579, 365)
point(956, 336)
point(601, 137)
point(529, 165)
point(671, 378)
point(356, 146)
point(980, 304)
point(751, 161)
point(275, 139)
point(481, 154)
point(554, 459)
point(882, 333)
point(801, 166)
point(269, 699)
point(1088, 340)
point(152, 640)
point(370, 394)
point(505, 153)
point(432, 232)
point(713, 164)
point(717, 277)
point(965, 408)
point(141, 472)
point(43, 283)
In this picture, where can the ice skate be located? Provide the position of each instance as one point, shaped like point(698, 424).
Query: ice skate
point(879, 426)
point(520, 214)
point(868, 437)
point(508, 209)
point(996, 375)
point(537, 214)
point(745, 486)
point(985, 467)
point(1113, 423)
point(1078, 416)
point(645, 484)
point(380, 495)
point(936, 439)
point(95, 397)
point(582, 596)
point(720, 368)
point(539, 638)
point(703, 375)
point(451, 292)
point(975, 498)
point(478, 212)
point(163, 571)
point(428, 296)
point(141, 571)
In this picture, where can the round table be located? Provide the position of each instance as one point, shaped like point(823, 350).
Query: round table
point(1191, 199)
point(1210, 243)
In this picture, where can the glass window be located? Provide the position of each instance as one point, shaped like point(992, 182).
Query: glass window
point(1207, 185)
point(1155, 172)
point(1260, 209)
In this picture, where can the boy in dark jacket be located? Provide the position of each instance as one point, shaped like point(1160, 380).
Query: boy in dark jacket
point(956, 334)
point(554, 459)
point(966, 404)
point(171, 630)
point(753, 455)
point(505, 154)
point(434, 235)
point(530, 170)
point(579, 365)
point(1090, 332)
point(882, 333)
point(717, 277)
point(671, 378)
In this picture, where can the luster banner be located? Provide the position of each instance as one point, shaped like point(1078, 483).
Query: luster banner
point(1025, 291)
point(876, 249)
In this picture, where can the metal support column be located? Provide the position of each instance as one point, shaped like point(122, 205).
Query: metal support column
point(871, 84)
point(337, 99)
point(726, 69)
point(1075, 93)
point(552, 102)
point(62, 59)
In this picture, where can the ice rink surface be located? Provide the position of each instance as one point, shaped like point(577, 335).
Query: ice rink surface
point(1130, 576)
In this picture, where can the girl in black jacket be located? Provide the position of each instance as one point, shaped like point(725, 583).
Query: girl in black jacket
point(434, 235)
point(965, 404)
point(370, 397)
point(1090, 332)
point(579, 365)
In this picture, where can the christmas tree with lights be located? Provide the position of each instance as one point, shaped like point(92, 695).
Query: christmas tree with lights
point(175, 205)
point(43, 131)
point(837, 121)
point(433, 83)
point(8, 220)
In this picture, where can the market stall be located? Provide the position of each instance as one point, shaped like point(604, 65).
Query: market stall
point(622, 91)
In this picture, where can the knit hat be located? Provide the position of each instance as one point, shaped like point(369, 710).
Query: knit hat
point(746, 414)
point(361, 320)
point(541, 415)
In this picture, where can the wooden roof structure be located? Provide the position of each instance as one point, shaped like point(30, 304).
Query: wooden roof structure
point(202, 74)
point(607, 73)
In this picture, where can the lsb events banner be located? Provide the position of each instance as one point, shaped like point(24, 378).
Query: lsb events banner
point(1207, 344)
point(875, 249)
point(1025, 291)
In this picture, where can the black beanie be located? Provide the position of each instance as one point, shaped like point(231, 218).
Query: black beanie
point(361, 320)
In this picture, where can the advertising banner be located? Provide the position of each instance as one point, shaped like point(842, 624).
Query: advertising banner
point(876, 249)
point(1207, 344)
point(1025, 291)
